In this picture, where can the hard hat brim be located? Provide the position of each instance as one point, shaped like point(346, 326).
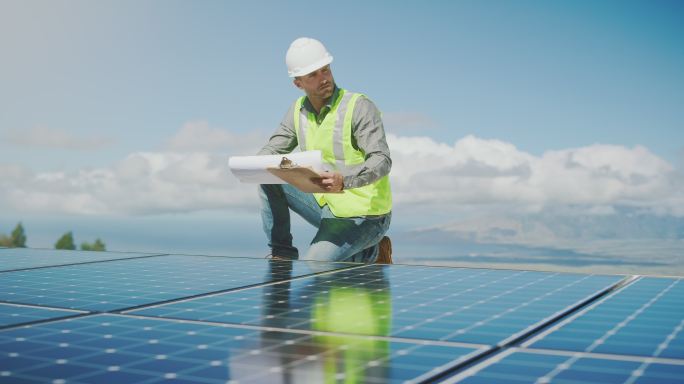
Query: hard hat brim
point(308, 69)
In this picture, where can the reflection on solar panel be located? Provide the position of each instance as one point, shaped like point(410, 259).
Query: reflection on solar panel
point(201, 319)
point(463, 305)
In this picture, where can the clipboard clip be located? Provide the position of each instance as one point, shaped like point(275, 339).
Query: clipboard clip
point(286, 163)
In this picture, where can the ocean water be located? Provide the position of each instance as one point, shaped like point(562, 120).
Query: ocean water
point(240, 234)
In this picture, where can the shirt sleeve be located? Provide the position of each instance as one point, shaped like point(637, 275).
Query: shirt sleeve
point(368, 135)
point(284, 139)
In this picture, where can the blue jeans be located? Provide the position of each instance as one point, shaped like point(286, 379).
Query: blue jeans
point(353, 239)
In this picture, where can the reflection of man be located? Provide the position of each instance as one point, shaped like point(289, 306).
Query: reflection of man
point(343, 313)
point(346, 127)
point(360, 310)
point(276, 306)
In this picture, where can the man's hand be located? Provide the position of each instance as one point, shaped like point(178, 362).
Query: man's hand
point(331, 181)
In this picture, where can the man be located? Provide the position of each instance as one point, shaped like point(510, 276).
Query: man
point(354, 214)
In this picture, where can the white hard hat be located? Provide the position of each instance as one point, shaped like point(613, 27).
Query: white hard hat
point(306, 55)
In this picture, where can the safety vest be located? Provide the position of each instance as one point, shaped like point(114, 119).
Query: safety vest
point(333, 137)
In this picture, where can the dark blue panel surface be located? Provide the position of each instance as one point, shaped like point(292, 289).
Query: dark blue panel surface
point(324, 322)
point(646, 318)
point(25, 258)
point(122, 349)
point(519, 366)
point(17, 314)
point(125, 283)
point(464, 305)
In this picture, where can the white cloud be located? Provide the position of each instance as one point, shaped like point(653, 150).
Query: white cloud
point(187, 176)
point(473, 173)
point(141, 183)
point(482, 172)
point(51, 138)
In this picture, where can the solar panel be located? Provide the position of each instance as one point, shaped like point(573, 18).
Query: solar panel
point(461, 305)
point(210, 319)
point(121, 284)
point(122, 349)
point(533, 366)
point(24, 258)
point(12, 314)
point(646, 318)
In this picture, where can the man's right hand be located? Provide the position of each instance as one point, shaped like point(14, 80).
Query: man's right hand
point(331, 182)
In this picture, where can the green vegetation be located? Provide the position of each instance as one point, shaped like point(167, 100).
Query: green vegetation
point(66, 241)
point(17, 239)
point(98, 245)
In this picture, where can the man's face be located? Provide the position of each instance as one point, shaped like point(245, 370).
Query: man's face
point(317, 84)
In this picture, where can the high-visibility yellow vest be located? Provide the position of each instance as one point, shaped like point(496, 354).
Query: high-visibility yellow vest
point(333, 137)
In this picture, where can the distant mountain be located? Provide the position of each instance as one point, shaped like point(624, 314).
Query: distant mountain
point(546, 229)
point(621, 242)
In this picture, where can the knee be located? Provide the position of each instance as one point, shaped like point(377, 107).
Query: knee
point(323, 251)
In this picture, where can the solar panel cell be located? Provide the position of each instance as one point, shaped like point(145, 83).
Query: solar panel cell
point(645, 318)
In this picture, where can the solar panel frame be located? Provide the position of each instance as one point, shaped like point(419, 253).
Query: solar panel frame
point(12, 315)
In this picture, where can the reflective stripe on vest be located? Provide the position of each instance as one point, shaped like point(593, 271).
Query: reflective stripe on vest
point(333, 137)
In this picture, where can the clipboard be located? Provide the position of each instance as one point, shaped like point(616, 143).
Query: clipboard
point(301, 177)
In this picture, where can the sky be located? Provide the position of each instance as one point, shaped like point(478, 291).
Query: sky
point(132, 108)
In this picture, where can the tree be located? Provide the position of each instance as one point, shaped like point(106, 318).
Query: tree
point(5, 241)
point(18, 236)
point(98, 245)
point(66, 242)
point(17, 239)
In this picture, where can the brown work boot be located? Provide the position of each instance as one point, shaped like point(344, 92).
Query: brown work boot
point(384, 251)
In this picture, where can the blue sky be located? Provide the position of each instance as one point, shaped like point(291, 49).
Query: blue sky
point(525, 105)
point(540, 75)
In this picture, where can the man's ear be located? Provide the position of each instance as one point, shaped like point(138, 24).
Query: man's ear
point(297, 83)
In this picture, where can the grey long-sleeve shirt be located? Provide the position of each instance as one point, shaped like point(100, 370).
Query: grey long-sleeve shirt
point(368, 135)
